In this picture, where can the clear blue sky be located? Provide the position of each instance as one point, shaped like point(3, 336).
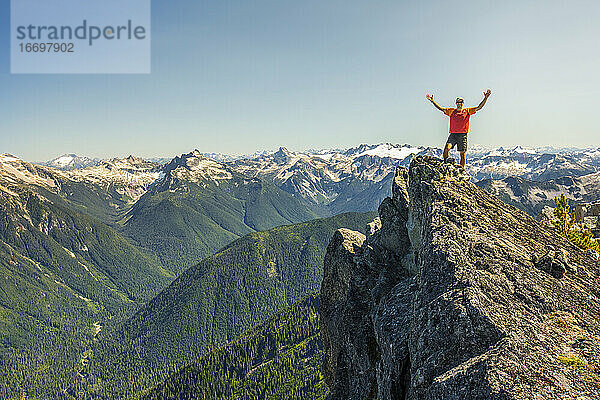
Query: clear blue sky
point(238, 76)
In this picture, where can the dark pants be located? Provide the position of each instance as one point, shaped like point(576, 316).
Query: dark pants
point(458, 139)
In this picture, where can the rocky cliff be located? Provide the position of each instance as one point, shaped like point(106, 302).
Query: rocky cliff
point(455, 295)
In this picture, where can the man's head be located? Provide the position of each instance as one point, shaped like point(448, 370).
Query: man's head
point(459, 102)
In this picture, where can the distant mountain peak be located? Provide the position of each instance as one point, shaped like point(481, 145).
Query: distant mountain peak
point(71, 161)
point(134, 159)
point(192, 167)
point(6, 157)
point(282, 155)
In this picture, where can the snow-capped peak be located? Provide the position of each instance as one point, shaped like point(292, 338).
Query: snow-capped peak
point(321, 175)
point(195, 167)
point(392, 151)
point(71, 161)
point(65, 160)
point(520, 149)
point(8, 158)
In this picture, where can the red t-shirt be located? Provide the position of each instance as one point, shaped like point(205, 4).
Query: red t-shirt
point(459, 120)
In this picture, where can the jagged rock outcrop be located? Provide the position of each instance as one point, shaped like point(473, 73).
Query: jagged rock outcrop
point(455, 295)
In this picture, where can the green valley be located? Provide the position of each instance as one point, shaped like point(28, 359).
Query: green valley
point(214, 302)
point(60, 272)
point(199, 206)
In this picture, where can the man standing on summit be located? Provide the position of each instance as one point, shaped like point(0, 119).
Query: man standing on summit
point(459, 124)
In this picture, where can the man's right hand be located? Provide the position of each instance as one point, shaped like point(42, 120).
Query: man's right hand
point(436, 105)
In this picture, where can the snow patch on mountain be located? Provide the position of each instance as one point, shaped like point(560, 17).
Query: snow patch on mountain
point(7, 157)
point(320, 176)
point(68, 162)
point(126, 171)
point(389, 150)
point(192, 167)
point(16, 171)
point(63, 161)
point(205, 168)
point(130, 177)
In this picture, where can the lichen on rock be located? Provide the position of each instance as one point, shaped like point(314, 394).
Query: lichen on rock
point(449, 296)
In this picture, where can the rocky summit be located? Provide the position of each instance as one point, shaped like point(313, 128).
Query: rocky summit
point(453, 294)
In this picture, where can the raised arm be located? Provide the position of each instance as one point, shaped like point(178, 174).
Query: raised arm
point(486, 94)
point(430, 98)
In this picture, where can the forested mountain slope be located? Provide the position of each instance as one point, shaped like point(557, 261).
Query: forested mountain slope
point(200, 205)
point(61, 272)
point(277, 359)
point(214, 302)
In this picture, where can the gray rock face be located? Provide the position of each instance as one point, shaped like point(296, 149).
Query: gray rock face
point(455, 295)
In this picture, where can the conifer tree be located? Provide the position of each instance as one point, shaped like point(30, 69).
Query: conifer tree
point(566, 224)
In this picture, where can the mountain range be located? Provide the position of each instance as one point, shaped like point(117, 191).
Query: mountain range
point(63, 270)
point(134, 267)
point(198, 205)
point(533, 196)
point(359, 178)
point(380, 329)
point(84, 249)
